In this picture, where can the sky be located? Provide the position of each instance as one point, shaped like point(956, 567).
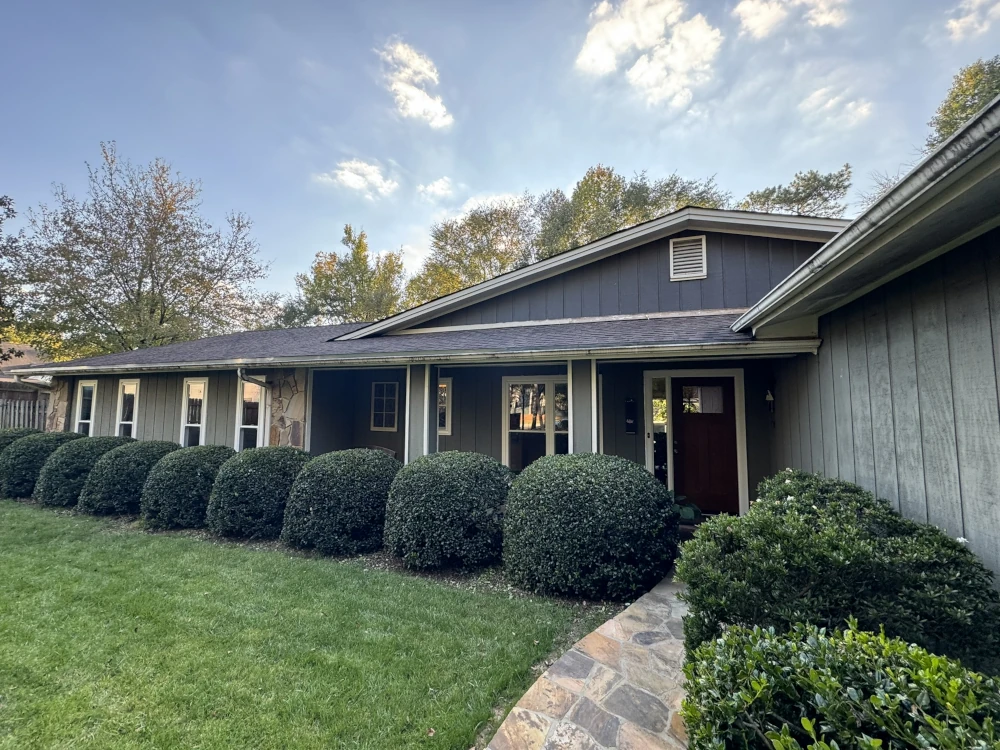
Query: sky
point(394, 115)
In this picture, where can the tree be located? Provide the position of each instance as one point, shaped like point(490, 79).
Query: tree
point(809, 194)
point(134, 264)
point(8, 246)
point(972, 88)
point(348, 288)
point(487, 241)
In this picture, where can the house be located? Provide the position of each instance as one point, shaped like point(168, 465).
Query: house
point(712, 346)
point(23, 401)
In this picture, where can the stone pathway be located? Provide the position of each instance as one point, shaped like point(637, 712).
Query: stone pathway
point(620, 687)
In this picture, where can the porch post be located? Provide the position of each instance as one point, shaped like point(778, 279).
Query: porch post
point(581, 405)
point(416, 413)
point(431, 425)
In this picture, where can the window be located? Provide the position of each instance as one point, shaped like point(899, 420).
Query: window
point(193, 411)
point(702, 399)
point(86, 394)
point(688, 258)
point(384, 406)
point(128, 402)
point(537, 422)
point(251, 412)
point(444, 406)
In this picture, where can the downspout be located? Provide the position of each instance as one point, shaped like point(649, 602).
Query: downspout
point(241, 374)
point(37, 386)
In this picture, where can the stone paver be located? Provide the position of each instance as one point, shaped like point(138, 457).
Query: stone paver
point(619, 687)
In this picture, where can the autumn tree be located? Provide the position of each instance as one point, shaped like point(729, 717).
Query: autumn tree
point(809, 193)
point(8, 246)
point(134, 264)
point(972, 88)
point(349, 287)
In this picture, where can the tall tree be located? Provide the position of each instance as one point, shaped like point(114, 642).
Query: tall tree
point(8, 247)
point(973, 87)
point(809, 194)
point(487, 241)
point(351, 287)
point(134, 264)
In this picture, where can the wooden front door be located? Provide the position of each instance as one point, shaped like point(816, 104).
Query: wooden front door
point(704, 436)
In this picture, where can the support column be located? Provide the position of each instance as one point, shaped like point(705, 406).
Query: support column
point(57, 415)
point(416, 412)
point(288, 408)
point(431, 435)
point(581, 404)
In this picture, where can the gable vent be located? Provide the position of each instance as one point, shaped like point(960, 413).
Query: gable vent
point(688, 258)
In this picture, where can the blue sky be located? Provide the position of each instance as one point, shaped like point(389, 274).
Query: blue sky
point(391, 115)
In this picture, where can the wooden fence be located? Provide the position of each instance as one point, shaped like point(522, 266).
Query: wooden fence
point(22, 414)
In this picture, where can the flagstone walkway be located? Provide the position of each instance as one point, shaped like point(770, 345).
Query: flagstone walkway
point(619, 687)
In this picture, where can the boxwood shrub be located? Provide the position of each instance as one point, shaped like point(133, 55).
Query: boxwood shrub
point(22, 460)
point(337, 503)
point(851, 689)
point(177, 489)
point(62, 478)
point(446, 510)
point(789, 561)
point(588, 525)
point(250, 492)
point(116, 481)
point(9, 436)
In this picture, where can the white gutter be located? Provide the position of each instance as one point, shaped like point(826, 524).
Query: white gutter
point(728, 349)
point(978, 134)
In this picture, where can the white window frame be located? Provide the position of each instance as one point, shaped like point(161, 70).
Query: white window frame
point(371, 409)
point(449, 396)
point(550, 382)
point(704, 259)
point(135, 407)
point(264, 423)
point(204, 410)
point(79, 407)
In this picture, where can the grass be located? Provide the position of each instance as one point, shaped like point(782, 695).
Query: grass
point(114, 638)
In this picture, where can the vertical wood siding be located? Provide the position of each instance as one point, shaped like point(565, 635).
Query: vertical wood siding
point(905, 399)
point(741, 270)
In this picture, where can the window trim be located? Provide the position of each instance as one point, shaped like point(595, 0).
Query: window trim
point(204, 410)
point(80, 384)
point(264, 422)
point(135, 407)
point(674, 276)
point(449, 396)
point(550, 382)
point(371, 410)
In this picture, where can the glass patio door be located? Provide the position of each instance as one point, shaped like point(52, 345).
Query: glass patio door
point(537, 419)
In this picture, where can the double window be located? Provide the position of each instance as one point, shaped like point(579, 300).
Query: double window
point(251, 424)
point(537, 419)
point(193, 411)
point(86, 395)
point(128, 403)
point(385, 407)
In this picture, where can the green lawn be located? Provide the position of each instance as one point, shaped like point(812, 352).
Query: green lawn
point(114, 638)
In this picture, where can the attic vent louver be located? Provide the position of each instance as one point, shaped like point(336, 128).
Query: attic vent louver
point(688, 258)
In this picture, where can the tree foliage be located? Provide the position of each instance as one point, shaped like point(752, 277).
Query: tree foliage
point(809, 193)
point(973, 87)
point(134, 264)
point(8, 247)
point(350, 287)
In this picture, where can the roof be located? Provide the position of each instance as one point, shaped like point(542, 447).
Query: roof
point(786, 226)
point(946, 200)
point(701, 333)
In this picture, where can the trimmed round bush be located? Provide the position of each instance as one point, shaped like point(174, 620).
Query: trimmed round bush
point(337, 503)
point(177, 489)
point(753, 688)
point(588, 525)
point(788, 561)
point(9, 436)
point(251, 490)
point(22, 460)
point(116, 481)
point(64, 474)
point(446, 510)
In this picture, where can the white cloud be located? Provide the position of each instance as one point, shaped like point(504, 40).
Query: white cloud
point(486, 199)
point(359, 175)
point(973, 18)
point(674, 55)
point(671, 70)
point(440, 188)
point(827, 105)
point(408, 74)
point(760, 18)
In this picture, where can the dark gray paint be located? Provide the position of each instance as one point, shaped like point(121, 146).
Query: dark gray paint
point(741, 270)
point(913, 410)
point(341, 410)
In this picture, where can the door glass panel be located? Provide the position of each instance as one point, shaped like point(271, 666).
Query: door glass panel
point(128, 402)
point(561, 406)
point(711, 399)
point(196, 396)
point(248, 438)
point(86, 402)
point(525, 447)
point(125, 430)
point(251, 404)
point(659, 428)
point(526, 407)
point(83, 428)
point(192, 435)
point(561, 443)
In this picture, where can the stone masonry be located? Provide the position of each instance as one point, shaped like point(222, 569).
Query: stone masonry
point(58, 410)
point(619, 687)
point(288, 407)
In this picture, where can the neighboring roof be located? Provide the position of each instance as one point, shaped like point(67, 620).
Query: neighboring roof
point(948, 199)
point(808, 228)
point(698, 333)
point(29, 356)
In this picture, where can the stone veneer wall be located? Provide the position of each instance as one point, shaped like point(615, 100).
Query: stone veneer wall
point(58, 412)
point(288, 407)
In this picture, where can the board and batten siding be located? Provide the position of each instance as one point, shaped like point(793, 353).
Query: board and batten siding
point(741, 270)
point(902, 397)
point(158, 413)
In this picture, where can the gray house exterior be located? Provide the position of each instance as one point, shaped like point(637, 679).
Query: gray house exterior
point(713, 347)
